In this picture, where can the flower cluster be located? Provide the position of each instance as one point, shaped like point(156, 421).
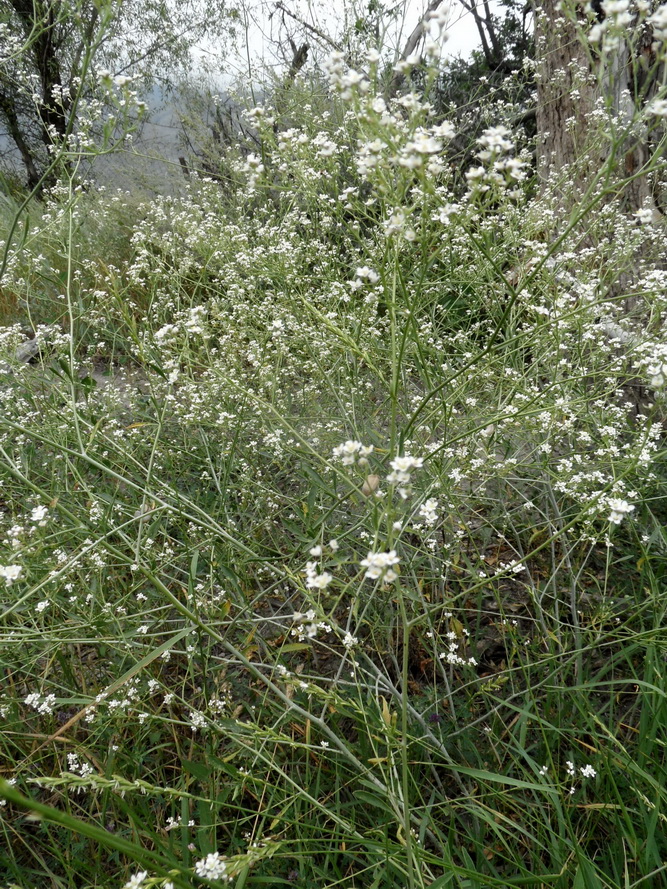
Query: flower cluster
point(428, 511)
point(451, 657)
point(39, 515)
point(44, 705)
point(618, 510)
point(213, 867)
point(657, 108)
point(494, 141)
point(344, 80)
point(586, 771)
point(380, 566)
point(502, 170)
point(657, 375)
point(653, 364)
point(137, 880)
point(349, 641)
point(397, 224)
point(658, 20)
point(10, 573)
point(418, 149)
point(77, 767)
point(401, 473)
point(364, 273)
point(308, 627)
point(610, 31)
point(352, 452)
point(315, 581)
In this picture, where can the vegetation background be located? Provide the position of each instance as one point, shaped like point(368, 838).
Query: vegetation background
point(332, 464)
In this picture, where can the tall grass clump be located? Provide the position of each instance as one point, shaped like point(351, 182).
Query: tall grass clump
point(332, 519)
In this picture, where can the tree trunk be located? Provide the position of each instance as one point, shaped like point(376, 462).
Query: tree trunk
point(8, 110)
point(40, 24)
point(566, 92)
point(576, 103)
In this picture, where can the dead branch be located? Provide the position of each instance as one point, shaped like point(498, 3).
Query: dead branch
point(298, 61)
point(313, 30)
point(409, 48)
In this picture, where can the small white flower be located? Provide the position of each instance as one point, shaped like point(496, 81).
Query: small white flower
point(10, 573)
point(440, 16)
point(380, 565)
point(428, 511)
point(350, 641)
point(38, 515)
point(212, 867)
point(445, 130)
point(315, 581)
point(43, 705)
point(368, 274)
point(136, 880)
point(198, 721)
point(596, 33)
point(350, 451)
point(657, 374)
point(494, 141)
point(619, 509)
point(403, 464)
point(395, 224)
point(643, 216)
point(319, 581)
point(659, 22)
point(657, 107)
point(402, 467)
point(588, 771)
point(475, 173)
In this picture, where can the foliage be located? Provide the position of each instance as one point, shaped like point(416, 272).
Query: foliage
point(66, 61)
point(332, 519)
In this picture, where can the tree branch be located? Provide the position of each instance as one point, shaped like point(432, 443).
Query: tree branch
point(409, 48)
point(472, 9)
point(313, 30)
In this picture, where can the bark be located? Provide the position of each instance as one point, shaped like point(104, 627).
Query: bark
point(46, 32)
point(8, 111)
point(570, 96)
point(40, 16)
point(567, 93)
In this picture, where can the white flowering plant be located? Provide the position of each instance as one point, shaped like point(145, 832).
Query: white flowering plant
point(332, 507)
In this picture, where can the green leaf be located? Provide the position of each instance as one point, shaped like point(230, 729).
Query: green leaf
point(375, 801)
point(201, 771)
